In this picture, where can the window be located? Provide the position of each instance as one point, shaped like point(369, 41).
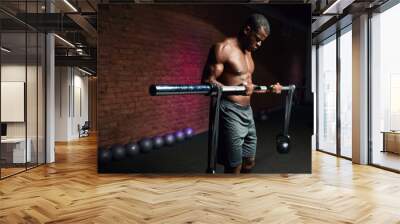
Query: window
point(346, 75)
point(385, 88)
point(327, 96)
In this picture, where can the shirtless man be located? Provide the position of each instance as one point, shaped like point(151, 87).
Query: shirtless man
point(230, 63)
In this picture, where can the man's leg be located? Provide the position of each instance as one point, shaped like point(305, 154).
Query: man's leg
point(249, 148)
point(232, 134)
point(233, 152)
point(248, 164)
point(235, 170)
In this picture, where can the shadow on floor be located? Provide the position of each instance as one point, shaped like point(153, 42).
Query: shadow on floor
point(190, 156)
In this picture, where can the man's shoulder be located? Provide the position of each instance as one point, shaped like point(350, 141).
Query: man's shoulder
point(225, 45)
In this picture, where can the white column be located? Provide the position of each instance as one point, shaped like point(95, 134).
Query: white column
point(50, 93)
point(360, 90)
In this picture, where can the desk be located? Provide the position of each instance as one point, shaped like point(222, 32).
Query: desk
point(391, 141)
point(17, 148)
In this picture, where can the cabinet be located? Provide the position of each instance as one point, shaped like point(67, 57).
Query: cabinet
point(391, 141)
point(13, 150)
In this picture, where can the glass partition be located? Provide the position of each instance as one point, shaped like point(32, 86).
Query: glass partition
point(22, 88)
point(327, 95)
point(14, 153)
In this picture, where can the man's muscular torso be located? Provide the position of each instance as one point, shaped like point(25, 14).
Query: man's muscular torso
point(231, 67)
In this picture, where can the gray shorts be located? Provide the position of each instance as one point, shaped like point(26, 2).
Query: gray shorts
point(237, 134)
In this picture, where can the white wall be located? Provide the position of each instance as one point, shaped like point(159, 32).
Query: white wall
point(14, 72)
point(71, 94)
point(62, 81)
point(13, 101)
point(17, 72)
point(81, 103)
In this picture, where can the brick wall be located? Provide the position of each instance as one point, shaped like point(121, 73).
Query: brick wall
point(140, 45)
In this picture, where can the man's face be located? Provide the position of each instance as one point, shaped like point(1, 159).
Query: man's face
point(255, 38)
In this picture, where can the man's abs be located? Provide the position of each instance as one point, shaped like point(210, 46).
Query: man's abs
point(229, 79)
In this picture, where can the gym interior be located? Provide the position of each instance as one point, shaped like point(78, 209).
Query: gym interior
point(105, 117)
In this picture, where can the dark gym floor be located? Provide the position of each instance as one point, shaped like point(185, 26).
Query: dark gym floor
point(190, 156)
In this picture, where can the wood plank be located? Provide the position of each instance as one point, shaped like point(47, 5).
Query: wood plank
point(71, 191)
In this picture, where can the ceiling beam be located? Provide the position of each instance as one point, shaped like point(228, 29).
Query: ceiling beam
point(84, 61)
point(84, 24)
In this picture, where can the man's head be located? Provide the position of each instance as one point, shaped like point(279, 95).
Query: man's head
point(255, 31)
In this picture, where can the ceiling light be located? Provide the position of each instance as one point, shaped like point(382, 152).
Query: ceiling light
point(79, 51)
point(329, 9)
point(70, 5)
point(65, 41)
point(5, 50)
point(84, 71)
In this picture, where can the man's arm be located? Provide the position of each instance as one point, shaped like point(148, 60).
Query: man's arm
point(215, 65)
point(276, 88)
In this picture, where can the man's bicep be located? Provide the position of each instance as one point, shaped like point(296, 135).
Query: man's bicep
point(215, 63)
point(216, 70)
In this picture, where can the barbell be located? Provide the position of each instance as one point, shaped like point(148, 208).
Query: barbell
point(282, 140)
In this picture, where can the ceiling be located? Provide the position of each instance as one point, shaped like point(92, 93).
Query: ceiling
point(76, 21)
point(72, 20)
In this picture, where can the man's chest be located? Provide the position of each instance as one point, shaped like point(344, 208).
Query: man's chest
point(241, 64)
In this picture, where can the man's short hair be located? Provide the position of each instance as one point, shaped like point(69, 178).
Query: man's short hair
point(256, 21)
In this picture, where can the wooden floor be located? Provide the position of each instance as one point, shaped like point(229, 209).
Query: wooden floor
point(387, 159)
point(10, 171)
point(71, 191)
